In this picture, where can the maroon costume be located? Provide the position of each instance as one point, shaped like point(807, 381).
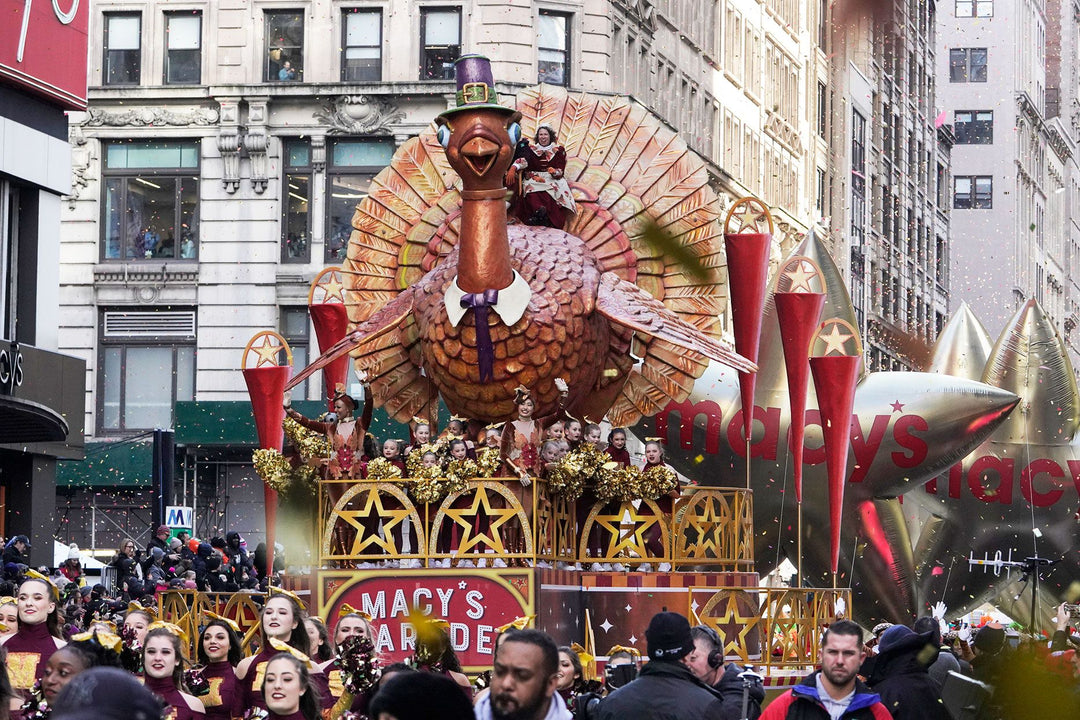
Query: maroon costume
point(166, 689)
point(28, 650)
point(226, 697)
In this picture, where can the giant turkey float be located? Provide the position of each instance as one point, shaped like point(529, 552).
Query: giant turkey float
point(446, 303)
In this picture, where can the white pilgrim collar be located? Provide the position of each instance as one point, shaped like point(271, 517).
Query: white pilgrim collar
point(510, 306)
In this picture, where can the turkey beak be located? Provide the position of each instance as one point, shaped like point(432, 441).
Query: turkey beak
point(480, 153)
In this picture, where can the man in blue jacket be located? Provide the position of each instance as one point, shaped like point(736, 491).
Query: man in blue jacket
point(833, 692)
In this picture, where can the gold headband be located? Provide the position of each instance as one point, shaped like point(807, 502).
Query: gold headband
point(107, 623)
point(170, 628)
point(654, 439)
point(231, 623)
point(35, 575)
point(105, 639)
point(282, 647)
point(420, 421)
point(8, 600)
point(347, 609)
point(622, 648)
point(583, 656)
point(495, 426)
point(517, 624)
point(274, 590)
point(134, 606)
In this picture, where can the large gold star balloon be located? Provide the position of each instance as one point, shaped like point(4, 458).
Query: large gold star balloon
point(1017, 493)
point(906, 428)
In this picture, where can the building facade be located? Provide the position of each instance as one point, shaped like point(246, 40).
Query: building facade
point(42, 76)
point(890, 162)
point(226, 145)
point(1007, 71)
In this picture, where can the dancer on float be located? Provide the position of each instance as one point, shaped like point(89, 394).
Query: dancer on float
point(220, 652)
point(654, 457)
point(616, 447)
point(39, 634)
point(290, 694)
point(346, 433)
point(281, 622)
point(163, 671)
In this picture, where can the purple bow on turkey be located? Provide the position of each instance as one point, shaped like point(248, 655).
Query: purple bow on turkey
point(480, 303)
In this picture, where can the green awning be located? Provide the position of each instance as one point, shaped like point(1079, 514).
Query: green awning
point(124, 463)
point(224, 422)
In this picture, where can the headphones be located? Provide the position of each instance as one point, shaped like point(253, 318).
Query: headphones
point(716, 655)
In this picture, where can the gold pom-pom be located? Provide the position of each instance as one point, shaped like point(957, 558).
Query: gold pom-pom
point(428, 485)
point(308, 443)
point(459, 473)
point(656, 481)
point(488, 462)
point(382, 469)
point(565, 479)
point(273, 468)
point(615, 482)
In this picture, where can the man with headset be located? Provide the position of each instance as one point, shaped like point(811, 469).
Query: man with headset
point(706, 661)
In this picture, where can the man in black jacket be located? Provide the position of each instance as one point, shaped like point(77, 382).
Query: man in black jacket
point(707, 663)
point(665, 688)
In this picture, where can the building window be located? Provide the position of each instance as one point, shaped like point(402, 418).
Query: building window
point(973, 192)
point(974, 127)
point(147, 364)
point(822, 108)
point(967, 65)
point(974, 8)
point(295, 327)
point(553, 48)
point(296, 205)
point(284, 46)
point(123, 54)
point(440, 29)
point(183, 48)
point(353, 163)
point(362, 30)
point(819, 203)
point(858, 178)
point(151, 207)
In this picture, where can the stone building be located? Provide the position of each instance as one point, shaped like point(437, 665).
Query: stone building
point(226, 144)
point(1008, 75)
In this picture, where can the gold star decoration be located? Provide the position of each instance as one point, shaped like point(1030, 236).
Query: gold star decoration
point(801, 271)
point(633, 543)
point(748, 214)
point(723, 613)
point(268, 351)
point(835, 340)
point(332, 287)
point(709, 525)
point(497, 516)
point(372, 506)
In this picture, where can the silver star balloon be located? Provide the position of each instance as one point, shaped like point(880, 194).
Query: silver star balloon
point(907, 427)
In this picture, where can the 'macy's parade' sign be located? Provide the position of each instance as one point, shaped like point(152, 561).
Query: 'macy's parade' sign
point(473, 602)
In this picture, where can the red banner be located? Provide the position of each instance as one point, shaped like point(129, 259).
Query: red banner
point(331, 321)
point(43, 48)
point(474, 602)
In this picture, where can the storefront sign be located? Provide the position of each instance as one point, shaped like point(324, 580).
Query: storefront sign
point(43, 47)
point(473, 602)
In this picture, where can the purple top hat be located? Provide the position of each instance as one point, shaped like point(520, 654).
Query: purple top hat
point(475, 85)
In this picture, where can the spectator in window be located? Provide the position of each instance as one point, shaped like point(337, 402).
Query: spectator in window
point(287, 72)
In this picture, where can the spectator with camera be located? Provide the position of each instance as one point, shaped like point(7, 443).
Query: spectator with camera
point(737, 686)
point(16, 561)
point(665, 687)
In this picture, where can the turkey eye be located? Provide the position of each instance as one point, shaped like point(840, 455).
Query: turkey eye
point(443, 135)
point(515, 133)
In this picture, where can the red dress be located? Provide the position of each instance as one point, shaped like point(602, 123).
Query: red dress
point(226, 697)
point(545, 195)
